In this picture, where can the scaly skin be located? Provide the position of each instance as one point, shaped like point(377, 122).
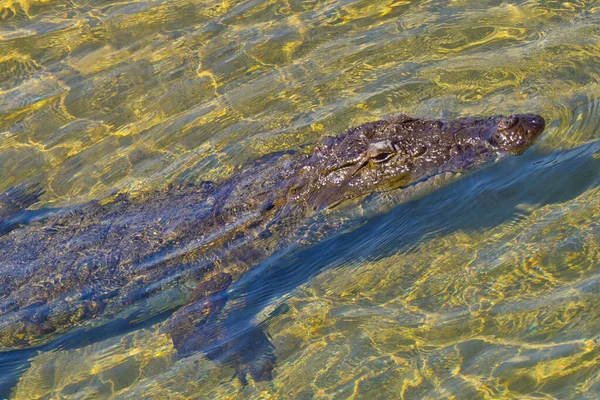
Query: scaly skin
point(96, 260)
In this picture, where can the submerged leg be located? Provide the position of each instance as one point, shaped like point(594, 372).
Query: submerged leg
point(249, 352)
point(197, 325)
point(252, 354)
point(200, 326)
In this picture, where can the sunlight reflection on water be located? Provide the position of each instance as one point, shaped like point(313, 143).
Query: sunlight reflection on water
point(486, 288)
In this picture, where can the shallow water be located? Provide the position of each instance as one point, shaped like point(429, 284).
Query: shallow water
point(485, 288)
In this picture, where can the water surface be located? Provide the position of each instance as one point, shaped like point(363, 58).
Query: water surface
point(485, 288)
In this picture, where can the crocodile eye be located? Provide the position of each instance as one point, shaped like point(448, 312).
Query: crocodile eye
point(507, 123)
point(379, 152)
point(381, 157)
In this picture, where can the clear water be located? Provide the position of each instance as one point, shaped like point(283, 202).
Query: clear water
point(485, 288)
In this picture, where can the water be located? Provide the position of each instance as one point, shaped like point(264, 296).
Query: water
point(485, 288)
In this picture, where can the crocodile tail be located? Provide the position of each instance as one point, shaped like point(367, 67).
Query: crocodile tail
point(18, 198)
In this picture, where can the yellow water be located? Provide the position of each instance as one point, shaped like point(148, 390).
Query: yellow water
point(100, 96)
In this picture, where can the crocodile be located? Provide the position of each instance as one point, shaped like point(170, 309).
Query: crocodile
point(188, 244)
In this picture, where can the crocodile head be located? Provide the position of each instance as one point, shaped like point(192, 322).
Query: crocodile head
point(514, 134)
point(398, 151)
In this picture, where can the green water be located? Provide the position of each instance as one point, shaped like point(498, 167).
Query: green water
point(486, 288)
